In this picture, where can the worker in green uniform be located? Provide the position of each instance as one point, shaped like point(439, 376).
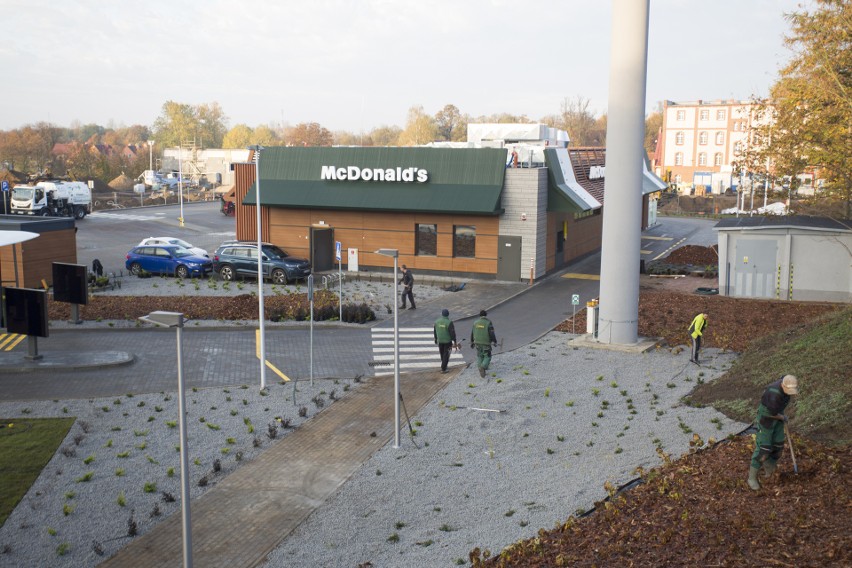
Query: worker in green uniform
point(482, 338)
point(696, 331)
point(770, 424)
point(445, 337)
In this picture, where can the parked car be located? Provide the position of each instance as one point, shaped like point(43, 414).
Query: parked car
point(174, 241)
point(171, 259)
point(234, 259)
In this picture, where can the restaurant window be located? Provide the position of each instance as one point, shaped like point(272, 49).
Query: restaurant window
point(464, 241)
point(426, 239)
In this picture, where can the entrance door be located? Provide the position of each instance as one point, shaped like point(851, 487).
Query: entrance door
point(755, 268)
point(508, 258)
point(322, 249)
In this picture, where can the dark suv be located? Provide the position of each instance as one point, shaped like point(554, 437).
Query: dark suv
point(233, 259)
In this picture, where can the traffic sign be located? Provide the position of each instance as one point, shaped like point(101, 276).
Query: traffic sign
point(5, 185)
point(337, 251)
point(575, 299)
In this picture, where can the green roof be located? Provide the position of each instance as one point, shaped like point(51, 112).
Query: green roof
point(459, 180)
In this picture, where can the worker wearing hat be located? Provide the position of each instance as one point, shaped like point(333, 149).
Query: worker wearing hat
point(482, 338)
point(445, 337)
point(770, 424)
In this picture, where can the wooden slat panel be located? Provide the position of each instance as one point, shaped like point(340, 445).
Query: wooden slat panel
point(368, 231)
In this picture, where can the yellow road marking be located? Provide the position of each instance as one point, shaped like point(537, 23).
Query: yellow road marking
point(15, 343)
point(9, 340)
point(269, 365)
point(658, 238)
point(581, 276)
point(275, 370)
point(668, 250)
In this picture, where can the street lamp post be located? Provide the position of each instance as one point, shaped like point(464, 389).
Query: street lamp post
point(395, 254)
point(262, 323)
point(180, 182)
point(175, 320)
point(151, 155)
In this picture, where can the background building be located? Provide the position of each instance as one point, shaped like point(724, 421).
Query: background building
point(700, 142)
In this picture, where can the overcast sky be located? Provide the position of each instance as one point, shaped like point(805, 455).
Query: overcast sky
point(358, 64)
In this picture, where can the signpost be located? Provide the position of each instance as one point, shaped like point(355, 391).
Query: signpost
point(338, 247)
point(311, 300)
point(5, 186)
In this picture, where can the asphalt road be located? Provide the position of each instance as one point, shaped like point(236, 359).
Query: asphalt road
point(108, 235)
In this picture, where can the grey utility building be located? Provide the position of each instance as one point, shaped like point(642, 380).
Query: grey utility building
point(790, 258)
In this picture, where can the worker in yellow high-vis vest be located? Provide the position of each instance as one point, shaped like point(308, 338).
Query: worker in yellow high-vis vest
point(696, 331)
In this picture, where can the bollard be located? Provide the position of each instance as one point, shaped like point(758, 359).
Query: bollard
point(592, 317)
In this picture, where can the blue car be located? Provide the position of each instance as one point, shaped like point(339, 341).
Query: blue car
point(172, 260)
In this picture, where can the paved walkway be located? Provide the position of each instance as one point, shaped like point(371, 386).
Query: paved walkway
point(243, 518)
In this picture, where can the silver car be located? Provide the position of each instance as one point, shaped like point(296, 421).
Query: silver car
point(174, 242)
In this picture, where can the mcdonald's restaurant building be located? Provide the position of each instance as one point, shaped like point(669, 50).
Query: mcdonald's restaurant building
point(448, 211)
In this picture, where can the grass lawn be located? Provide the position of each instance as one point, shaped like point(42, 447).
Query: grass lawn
point(818, 354)
point(26, 445)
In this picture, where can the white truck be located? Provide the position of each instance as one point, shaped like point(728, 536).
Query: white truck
point(52, 198)
point(155, 180)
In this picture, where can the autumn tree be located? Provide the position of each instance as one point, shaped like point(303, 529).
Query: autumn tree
point(576, 119)
point(420, 128)
point(653, 124)
point(264, 136)
point(385, 135)
point(812, 99)
point(179, 123)
point(502, 118)
point(308, 134)
point(237, 137)
point(450, 123)
point(29, 149)
point(346, 138)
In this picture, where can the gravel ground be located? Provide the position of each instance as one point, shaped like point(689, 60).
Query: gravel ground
point(473, 478)
point(488, 479)
point(131, 441)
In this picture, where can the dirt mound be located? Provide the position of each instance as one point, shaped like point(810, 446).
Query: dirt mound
point(121, 183)
point(698, 511)
point(694, 255)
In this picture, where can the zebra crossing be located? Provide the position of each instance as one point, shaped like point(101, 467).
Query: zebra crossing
point(110, 215)
point(417, 350)
point(9, 341)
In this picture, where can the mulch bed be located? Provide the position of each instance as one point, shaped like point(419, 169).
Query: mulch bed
point(732, 323)
point(698, 511)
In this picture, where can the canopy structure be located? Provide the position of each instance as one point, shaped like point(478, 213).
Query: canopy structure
point(15, 237)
